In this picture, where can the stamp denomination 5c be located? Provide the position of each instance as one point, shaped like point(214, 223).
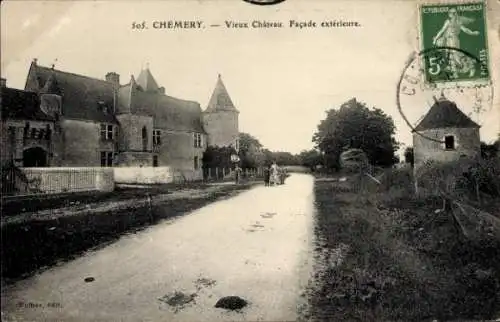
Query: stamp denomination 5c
point(456, 33)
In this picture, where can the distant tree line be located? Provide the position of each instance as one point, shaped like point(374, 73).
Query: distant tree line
point(351, 126)
point(253, 155)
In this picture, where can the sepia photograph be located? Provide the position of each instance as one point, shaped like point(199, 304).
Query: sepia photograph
point(250, 160)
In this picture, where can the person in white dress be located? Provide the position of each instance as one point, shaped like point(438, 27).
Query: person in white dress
point(274, 174)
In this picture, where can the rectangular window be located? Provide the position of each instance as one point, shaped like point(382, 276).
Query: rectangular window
point(196, 163)
point(155, 160)
point(156, 137)
point(103, 131)
point(197, 140)
point(107, 159)
point(107, 132)
point(449, 142)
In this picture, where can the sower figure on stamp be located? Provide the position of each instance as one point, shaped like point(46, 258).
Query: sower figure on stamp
point(449, 36)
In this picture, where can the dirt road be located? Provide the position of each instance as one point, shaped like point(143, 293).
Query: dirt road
point(255, 245)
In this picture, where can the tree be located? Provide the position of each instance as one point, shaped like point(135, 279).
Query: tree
point(489, 151)
point(310, 158)
point(249, 142)
point(356, 126)
point(250, 151)
point(218, 157)
point(409, 157)
point(284, 158)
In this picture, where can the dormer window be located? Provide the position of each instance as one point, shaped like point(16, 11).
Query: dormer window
point(449, 142)
point(102, 107)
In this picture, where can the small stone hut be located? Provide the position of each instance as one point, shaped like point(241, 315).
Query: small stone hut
point(445, 134)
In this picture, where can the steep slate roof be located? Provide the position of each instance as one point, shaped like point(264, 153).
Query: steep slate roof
point(179, 114)
point(83, 97)
point(220, 100)
point(169, 112)
point(445, 114)
point(21, 105)
point(147, 81)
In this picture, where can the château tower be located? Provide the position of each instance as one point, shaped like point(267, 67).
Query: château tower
point(220, 119)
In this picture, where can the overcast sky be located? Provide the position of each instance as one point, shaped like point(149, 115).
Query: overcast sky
point(281, 80)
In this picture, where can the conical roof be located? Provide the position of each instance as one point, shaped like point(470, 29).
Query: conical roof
point(147, 81)
point(220, 100)
point(445, 114)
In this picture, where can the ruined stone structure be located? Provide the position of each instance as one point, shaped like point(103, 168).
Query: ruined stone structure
point(85, 121)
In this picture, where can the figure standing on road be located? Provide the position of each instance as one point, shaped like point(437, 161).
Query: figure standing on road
point(267, 175)
point(274, 174)
point(282, 175)
point(237, 174)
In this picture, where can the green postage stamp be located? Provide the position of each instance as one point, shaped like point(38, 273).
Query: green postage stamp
point(454, 42)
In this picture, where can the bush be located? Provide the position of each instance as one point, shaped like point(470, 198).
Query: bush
point(461, 178)
point(401, 178)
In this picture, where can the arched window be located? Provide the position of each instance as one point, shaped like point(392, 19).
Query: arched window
point(144, 139)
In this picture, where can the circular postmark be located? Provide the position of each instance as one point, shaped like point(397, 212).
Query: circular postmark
point(264, 2)
point(426, 78)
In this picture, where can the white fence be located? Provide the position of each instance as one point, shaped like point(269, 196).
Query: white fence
point(34, 181)
point(29, 181)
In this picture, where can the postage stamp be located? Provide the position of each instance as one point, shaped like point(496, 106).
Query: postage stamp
point(457, 36)
point(474, 100)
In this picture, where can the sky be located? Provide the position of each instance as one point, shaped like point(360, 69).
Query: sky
point(282, 80)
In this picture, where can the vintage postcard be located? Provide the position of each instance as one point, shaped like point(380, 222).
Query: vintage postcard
point(250, 160)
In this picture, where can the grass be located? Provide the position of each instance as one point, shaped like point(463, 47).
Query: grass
point(14, 205)
point(405, 262)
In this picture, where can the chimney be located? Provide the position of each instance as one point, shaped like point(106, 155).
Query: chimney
point(161, 90)
point(113, 78)
point(3, 82)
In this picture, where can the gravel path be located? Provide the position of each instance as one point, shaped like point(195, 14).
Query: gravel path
point(255, 246)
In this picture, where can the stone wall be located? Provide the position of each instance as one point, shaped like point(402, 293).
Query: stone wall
point(143, 175)
point(82, 143)
point(130, 137)
point(14, 143)
point(221, 127)
point(178, 151)
point(155, 175)
point(467, 145)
